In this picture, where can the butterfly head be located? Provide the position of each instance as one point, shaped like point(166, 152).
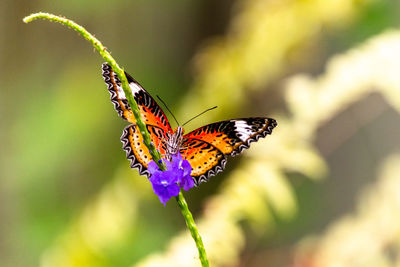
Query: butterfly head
point(179, 130)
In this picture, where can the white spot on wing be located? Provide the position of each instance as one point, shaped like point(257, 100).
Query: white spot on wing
point(135, 88)
point(243, 130)
point(121, 93)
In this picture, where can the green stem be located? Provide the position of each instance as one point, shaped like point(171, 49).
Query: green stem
point(139, 122)
point(193, 229)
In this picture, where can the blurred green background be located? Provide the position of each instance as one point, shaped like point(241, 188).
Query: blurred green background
point(323, 190)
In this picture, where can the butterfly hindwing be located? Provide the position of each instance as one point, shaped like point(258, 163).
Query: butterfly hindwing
point(206, 160)
point(151, 112)
point(227, 137)
point(136, 151)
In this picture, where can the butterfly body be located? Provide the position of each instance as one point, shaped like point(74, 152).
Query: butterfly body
point(206, 148)
point(173, 143)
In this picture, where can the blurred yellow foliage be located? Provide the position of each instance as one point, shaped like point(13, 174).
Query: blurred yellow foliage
point(256, 48)
point(371, 67)
point(368, 237)
point(102, 225)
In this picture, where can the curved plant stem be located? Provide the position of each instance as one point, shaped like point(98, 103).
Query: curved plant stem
point(155, 154)
point(193, 229)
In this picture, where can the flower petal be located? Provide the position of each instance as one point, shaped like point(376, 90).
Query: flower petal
point(173, 190)
point(187, 168)
point(186, 182)
point(156, 177)
point(165, 191)
point(171, 176)
point(164, 198)
point(169, 165)
point(152, 167)
point(176, 161)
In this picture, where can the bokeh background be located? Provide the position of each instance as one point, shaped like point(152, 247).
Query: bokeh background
point(323, 190)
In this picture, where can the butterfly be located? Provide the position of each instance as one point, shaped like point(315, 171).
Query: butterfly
point(206, 148)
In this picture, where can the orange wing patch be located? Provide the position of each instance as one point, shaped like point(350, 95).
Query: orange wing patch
point(151, 112)
point(205, 159)
point(136, 151)
point(219, 140)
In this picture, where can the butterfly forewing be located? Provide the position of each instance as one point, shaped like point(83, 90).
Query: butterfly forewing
point(151, 112)
point(227, 137)
point(232, 136)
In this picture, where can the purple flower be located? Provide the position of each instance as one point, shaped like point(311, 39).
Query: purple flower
point(166, 183)
point(185, 180)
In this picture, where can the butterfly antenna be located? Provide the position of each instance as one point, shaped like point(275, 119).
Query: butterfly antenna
point(199, 115)
point(165, 105)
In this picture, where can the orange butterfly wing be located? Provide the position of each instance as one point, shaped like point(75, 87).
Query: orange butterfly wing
point(151, 112)
point(207, 147)
point(136, 151)
point(206, 160)
point(152, 115)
